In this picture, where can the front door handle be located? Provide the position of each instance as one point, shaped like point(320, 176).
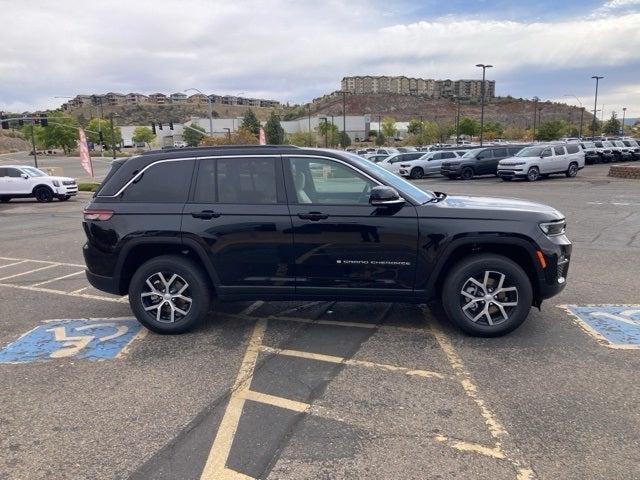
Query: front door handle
point(205, 214)
point(313, 216)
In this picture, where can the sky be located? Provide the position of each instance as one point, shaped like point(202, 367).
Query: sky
point(295, 50)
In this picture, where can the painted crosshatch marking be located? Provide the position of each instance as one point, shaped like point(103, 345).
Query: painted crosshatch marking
point(617, 326)
point(88, 339)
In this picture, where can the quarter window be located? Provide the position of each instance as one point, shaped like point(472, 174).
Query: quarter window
point(162, 182)
point(320, 181)
point(573, 149)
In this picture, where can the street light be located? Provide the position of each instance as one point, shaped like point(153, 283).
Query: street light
point(326, 128)
point(210, 109)
point(535, 115)
point(624, 112)
point(595, 106)
point(457, 119)
point(484, 68)
point(581, 111)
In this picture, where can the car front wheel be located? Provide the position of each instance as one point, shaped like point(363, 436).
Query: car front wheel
point(43, 194)
point(467, 173)
point(487, 295)
point(417, 173)
point(533, 174)
point(169, 294)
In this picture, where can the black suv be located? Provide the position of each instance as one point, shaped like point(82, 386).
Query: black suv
point(479, 161)
point(174, 229)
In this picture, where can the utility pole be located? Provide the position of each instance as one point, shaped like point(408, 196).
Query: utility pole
point(595, 105)
point(113, 137)
point(33, 143)
point(535, 115)
point(309, 116)
point(457, 120)
point(344, 117)
point(421, 129)
point(624, 112)
point(484, 68)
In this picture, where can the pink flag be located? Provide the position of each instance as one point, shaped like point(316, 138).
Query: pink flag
point(263, 140)
point(85, 159)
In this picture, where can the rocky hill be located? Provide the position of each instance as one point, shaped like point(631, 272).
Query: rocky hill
point(510, 112)
point(12, 141)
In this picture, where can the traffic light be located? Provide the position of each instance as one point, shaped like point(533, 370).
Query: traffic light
point(5, 124)
point(44, 121)
point(170, 124)
point(160, 125)
point(153, 127)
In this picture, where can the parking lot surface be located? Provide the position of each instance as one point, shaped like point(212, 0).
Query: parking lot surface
point(324, 390)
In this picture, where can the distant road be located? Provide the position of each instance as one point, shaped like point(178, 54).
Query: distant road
point(67, 166)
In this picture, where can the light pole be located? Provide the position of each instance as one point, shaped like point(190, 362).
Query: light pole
point(624, 112)
point(210, 109)
point(581, 112)
point(595, 105)
point(535, 115)
point(344, 125)
point(484, 68)
point(457, 120)
point(309, 118)
point(326, 128)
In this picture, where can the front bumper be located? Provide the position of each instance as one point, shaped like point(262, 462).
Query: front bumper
point(557, 255)
point(66, 190)
point(511, 172)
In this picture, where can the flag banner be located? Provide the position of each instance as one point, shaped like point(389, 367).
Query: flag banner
point(263, 140)
point(85, 159)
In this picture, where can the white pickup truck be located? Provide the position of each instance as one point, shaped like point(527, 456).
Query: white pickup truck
point(18, 181)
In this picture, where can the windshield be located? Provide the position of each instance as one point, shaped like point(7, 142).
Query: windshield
point(530, 152)
point(588, 145)
point(34, 172)
point(395, 181)
point(607, 144)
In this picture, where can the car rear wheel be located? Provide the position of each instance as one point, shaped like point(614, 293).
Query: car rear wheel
point(487, 295)
point(43, 194)
point(533, 174)
point(572, 171)
point(169, 294)
point(467, 173)
point(417, 173)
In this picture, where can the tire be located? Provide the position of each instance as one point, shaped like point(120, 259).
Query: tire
point(416, 173)
point(5, 199)
point(159, 271)
point(572, 171)
point(506, 179)
point(64, 198)
point(451, 177)
point(533, 174)
point(43, 194)
point(467, 173)
point(515, 301)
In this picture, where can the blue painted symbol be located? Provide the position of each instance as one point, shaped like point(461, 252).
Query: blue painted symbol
point(618, 325)
point(95, 339)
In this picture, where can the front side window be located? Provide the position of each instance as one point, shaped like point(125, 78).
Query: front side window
point(546, 152)
point(322, 181)
point(162, 182)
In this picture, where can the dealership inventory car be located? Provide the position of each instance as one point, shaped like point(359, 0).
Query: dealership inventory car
point(591, 155)
point(19, 181)
point(605, 151)
point(392, 162)
point(175, 229)
point(427, 164)
point(543, 160)
point(634, 147)
point(478, 161)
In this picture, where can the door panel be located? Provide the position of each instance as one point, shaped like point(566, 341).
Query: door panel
point(347, 246)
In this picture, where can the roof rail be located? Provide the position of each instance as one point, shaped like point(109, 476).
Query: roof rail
point(218, 147)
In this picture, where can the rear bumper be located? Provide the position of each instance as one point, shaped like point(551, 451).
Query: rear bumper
point(105, 284)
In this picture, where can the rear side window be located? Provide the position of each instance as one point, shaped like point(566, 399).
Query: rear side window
point(559, 150)
point(248, 181)
point(499, 152)
point(448, 155)
point(513, 151)
point(573, 149)
point(11, 172)
point(162, 182)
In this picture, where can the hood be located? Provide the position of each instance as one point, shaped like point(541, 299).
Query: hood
point(492, 208)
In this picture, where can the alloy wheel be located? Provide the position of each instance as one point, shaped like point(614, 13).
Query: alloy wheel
point(166, 300)
point(487, 299)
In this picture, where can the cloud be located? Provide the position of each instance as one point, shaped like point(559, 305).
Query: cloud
point(283, 49)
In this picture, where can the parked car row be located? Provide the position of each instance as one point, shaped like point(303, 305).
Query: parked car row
point(605, 151)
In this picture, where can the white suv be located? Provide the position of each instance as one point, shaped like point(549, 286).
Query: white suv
point(543, 160)
point(18, 181)
point(427, 164)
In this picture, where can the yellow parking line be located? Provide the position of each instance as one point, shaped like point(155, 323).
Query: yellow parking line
point(276, 401)
point(214, 468)
point(349, 361)
point(27, 272)
point(493, 452)
point(57, 278)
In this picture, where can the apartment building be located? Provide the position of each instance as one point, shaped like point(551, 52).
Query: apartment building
point(178, 98)
point(417, 86)
point(135, 99)
point(158, 98)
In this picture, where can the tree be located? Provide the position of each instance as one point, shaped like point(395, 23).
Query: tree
point(273, 131)
point(388, 127)
point(380, 140)
point(551, 130)
point(241, 137)
point(302, 139)
point(37, 134)
point(143, 135)
point(329, 132)
point(61, 132)
point(414, 127)
point(251, 122)
point(493, 130)
point(345, 139)
point(612, 126)
point(105, 125)
point(468, 126)
point(193, 135)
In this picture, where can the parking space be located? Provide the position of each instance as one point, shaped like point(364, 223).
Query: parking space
point(323, 390)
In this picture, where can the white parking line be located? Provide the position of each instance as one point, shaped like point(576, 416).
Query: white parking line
point(67, 294)
point(57, 278)
point(14, 263)
point(43, 261)
point(27, 272)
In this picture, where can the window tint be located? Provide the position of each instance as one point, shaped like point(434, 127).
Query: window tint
point(573, 149)
point(513, 151)
point(448, 155)
point(499, 152)
point(546, 152)
point(484, 154)
point(3, 172)
point(250, 180)
point(559, 150)
point(13, 172)
point(437, 156)
point(166, 182)
point(412, 156)
point(323, 181)
point(205, 188)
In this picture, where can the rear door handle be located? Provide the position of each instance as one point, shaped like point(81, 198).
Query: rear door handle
point(313, 216)
point(205, 214)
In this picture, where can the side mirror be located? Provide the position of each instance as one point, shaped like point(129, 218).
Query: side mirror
point(25, 176)
point(383, 196)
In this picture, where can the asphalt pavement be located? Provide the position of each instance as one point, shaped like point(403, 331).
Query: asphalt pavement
point(321, 390)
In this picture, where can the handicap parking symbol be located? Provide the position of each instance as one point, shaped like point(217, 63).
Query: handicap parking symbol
point(618, 326)
point(88, 339)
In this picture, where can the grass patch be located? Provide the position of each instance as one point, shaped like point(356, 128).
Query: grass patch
point(88, 187)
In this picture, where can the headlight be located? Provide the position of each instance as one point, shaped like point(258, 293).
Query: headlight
point(552, 229)
point(517, 163)
point(56, 183)
point(405, 165)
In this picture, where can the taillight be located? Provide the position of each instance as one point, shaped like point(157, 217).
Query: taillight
point(100, 215)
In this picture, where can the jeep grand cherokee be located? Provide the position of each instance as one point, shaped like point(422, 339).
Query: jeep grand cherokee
point(173, 229)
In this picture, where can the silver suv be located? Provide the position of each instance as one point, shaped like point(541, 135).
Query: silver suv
point(543, 160)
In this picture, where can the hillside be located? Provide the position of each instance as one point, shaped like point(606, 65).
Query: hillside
point(506, 110)
point(12, 141)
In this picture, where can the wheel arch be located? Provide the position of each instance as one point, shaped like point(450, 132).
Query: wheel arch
point(40, 185)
